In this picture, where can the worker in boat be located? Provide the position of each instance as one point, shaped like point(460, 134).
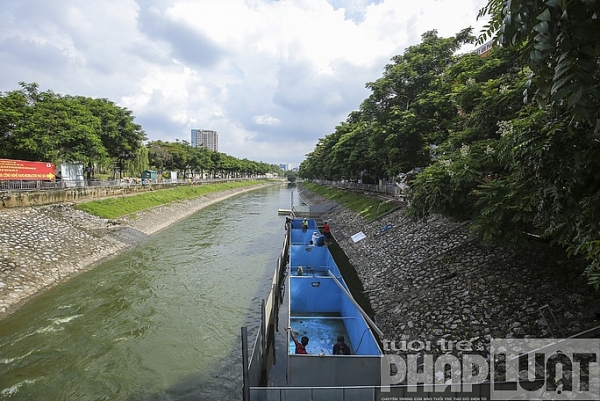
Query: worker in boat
point(305, 224)
point(320, 240)
point(300, 345)
point(315, 237)
point(340, 347)
point(327, 230)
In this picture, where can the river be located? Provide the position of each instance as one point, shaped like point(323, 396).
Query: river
point(158, 322)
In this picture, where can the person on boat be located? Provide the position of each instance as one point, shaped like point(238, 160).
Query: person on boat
point(340, 347)
point(300, 345)
point(321, 240)
point(327, 230)
point(315, 237)
point(305, 224)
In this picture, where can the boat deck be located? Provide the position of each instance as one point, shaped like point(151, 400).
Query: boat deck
point(322, 331)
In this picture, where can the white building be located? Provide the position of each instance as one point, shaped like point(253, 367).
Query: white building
point(205, 138)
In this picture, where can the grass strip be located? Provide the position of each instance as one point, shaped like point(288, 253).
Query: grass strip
point(367, 207)
point(119, 206)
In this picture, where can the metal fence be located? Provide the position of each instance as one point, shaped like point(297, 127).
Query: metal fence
point(472, 392)
point(386, 188)
point(123, 182)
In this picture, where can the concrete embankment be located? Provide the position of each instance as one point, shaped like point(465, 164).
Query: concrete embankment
point(43, 246)
point(77, 194)
point(432, 281)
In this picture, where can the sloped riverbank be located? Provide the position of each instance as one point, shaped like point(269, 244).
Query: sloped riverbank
point(432, 281)
point(43, 246)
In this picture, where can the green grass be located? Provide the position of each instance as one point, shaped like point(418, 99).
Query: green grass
point(119, 206)
point(369, 208)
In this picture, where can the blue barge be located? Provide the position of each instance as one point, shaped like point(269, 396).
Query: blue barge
point(318, 305)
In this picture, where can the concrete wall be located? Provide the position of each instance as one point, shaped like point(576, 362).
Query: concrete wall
point(46, 197)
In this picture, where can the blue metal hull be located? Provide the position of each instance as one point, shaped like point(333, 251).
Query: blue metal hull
point(321, 308)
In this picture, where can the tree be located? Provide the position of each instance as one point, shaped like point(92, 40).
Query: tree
point(45, 126)
point(408, 109)
point(48, 127)
point(121, 137)
point(408, 106)
point(487, 92)
point(139, 163)
point(291, 176)
point(556, 151)
point(13, 110)
point(200, 160)
point(180, 155)
point(158, 155)
point(561, 43)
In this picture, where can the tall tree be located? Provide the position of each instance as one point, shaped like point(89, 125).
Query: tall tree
point(407, 111)
point(120, 135)
point(560, 145)
point(408, 103)
point(487, 92)
point(46, 126)
point(159, 156)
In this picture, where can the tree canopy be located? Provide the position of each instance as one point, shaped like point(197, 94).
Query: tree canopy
point(45, 126)
point(395, 125)
point(181, 156)
point(509, 141)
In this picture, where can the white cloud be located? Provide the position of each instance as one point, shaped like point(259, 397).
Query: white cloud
point(266, 119)
point(272, 77)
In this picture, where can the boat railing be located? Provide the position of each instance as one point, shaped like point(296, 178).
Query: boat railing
point(307, 393)
point(255, 363)
point(300, 210)
point(323, 371)
point(362, 312)
point(479, 391)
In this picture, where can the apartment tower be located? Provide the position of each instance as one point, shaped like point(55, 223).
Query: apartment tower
point(205, 138)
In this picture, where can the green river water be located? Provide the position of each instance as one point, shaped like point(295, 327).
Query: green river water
point(158, 322)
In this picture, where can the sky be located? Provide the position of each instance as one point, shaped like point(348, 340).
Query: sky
point(272, 77)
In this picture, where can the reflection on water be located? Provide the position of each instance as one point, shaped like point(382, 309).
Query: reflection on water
point(161, 321)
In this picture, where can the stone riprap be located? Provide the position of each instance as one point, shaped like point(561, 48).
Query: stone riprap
point(43, 246)
point(40, 247)
point(433, 281)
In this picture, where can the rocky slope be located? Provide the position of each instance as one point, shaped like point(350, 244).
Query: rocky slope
point(432, 281)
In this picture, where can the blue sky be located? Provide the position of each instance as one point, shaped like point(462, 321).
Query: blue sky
point(271, 77)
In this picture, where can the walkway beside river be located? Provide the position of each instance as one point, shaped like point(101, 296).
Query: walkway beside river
point(43, 246)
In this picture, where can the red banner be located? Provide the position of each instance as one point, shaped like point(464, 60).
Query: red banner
point(25, 170)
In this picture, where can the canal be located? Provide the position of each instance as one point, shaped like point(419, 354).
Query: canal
point(158, 322)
